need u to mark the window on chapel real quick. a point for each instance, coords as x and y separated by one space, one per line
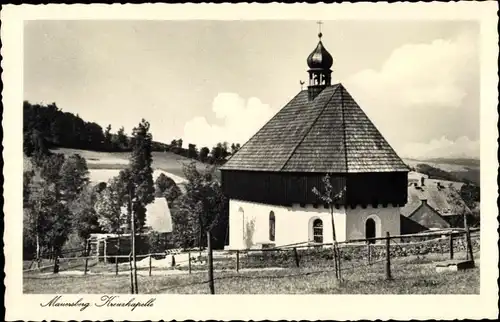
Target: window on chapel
318 231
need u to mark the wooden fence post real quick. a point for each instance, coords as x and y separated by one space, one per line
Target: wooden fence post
105 251
369 252
451 245
296 255
469 244
388 275
131 274
339 259
150 265
237 260
116 265
210 264
86 265
189 261
56 264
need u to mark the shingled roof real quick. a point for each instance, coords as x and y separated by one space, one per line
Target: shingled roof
328 134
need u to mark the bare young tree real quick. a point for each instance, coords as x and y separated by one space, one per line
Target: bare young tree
331 197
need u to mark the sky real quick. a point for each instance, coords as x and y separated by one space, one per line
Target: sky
210 81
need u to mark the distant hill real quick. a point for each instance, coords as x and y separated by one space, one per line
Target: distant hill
470 163
463 170
105 165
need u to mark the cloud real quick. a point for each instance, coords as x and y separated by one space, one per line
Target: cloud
462 147
420 94
240 119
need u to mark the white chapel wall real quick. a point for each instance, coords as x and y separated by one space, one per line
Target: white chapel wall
249 224
386 219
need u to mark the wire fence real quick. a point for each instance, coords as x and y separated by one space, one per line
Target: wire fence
286 261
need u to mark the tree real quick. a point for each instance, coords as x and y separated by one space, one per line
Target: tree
235 148
220 152
121 139
203 207
162 183
47 219
86 220
50 171
107 137
74 176
166 187
331 197
141 184
192 151
204 151
108 210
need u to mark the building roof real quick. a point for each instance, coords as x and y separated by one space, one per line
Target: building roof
158 216
445 199
330 134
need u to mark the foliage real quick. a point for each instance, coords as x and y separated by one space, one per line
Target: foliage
108 210
107 136
202 208
192 151
74 176
59 129
50 167
141 173
46 219
157 242
220 152
203 155
85 216
235 148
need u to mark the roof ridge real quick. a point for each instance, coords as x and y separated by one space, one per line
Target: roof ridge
343 128
309 129
263 126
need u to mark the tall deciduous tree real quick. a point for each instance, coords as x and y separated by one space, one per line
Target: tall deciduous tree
85 216
108 210
121 139
48 219
331 197
74 176
141 184
204 151
50 171
192 151
203 208
107 137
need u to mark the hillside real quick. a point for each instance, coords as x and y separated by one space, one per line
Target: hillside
105 165
463 170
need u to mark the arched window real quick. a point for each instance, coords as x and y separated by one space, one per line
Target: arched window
317 230
272 226
370 229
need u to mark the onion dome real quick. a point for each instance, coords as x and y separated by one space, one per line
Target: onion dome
320 58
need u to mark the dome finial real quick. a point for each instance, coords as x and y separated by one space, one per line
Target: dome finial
319 29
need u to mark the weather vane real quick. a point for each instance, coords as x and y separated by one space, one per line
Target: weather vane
301 84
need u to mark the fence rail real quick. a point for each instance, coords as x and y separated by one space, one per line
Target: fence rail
355 253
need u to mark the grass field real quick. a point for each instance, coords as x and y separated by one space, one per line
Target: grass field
105 165
410 276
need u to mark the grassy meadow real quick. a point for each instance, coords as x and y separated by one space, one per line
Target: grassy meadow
105 165
411 275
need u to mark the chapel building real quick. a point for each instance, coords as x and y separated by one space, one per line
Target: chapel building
322 130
